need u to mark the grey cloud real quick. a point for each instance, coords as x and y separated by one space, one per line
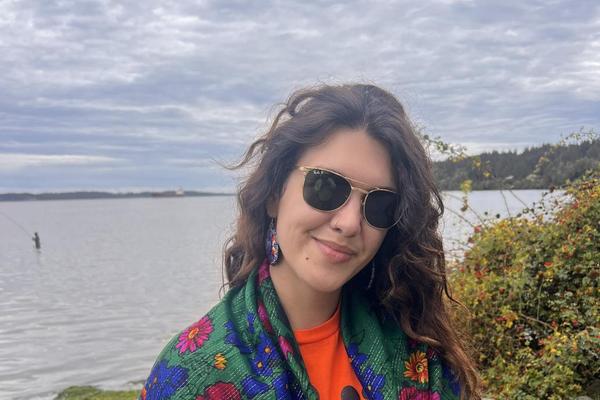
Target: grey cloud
185 80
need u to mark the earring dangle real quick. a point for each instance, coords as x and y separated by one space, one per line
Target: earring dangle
372 275
271 244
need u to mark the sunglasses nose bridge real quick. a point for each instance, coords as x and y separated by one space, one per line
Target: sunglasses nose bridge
351 213
363 198
361 191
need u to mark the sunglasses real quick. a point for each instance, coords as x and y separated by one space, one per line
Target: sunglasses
326 190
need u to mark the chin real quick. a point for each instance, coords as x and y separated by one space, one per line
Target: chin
326 289
327 284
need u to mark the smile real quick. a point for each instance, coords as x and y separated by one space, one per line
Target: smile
333 255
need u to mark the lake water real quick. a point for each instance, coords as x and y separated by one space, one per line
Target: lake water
115 279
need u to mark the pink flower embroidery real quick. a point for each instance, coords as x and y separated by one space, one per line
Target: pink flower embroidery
194 337
264 317
220 390
263 272
285 346
412 393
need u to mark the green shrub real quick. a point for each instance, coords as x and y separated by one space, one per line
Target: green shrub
531 285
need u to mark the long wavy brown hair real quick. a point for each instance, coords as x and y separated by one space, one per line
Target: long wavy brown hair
410 283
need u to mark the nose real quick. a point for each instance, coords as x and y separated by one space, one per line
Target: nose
348 219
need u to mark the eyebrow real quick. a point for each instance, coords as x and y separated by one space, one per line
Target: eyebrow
356 180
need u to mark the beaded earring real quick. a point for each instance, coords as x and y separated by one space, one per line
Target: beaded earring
271 244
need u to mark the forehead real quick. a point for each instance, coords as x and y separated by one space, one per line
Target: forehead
354 154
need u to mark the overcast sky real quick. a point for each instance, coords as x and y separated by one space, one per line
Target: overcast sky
141 95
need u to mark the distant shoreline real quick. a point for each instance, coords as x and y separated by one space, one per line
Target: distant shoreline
97 195
90 195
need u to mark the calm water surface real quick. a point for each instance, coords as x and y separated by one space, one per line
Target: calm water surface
115 279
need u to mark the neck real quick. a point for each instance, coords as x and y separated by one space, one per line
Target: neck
305 308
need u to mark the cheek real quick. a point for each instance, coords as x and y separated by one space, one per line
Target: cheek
373 241
296 223
301 226
300 217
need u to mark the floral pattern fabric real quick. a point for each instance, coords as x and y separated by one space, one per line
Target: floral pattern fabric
244 348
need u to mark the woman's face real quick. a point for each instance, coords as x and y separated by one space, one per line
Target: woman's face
308 238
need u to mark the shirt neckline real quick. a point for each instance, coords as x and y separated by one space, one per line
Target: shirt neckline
319 332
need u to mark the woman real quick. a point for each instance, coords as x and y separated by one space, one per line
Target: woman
336 269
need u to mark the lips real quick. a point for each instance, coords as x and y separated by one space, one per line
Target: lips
334 252
337 247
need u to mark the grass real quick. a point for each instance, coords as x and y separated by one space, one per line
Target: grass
92 393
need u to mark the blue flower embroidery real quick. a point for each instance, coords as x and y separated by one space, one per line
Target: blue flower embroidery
281 384
163 381
250 317
261 366
233 338
266 349
357 359
253 387
452 380
373 384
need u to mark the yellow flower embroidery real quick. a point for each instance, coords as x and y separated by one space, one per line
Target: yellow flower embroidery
416 367
220 361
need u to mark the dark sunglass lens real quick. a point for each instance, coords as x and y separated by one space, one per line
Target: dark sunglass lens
380 208
324 190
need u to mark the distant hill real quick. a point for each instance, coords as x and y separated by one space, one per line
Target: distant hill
535 168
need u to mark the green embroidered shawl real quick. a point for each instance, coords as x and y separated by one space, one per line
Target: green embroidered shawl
244 348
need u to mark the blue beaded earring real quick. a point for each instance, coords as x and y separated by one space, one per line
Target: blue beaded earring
271 244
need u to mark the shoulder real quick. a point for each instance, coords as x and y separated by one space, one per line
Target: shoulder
195 356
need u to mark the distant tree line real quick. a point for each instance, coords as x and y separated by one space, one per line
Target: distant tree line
540 167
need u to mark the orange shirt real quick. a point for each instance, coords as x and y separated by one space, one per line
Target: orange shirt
326 360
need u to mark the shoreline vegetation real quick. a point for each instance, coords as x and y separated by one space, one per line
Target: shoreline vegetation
531 286
542 167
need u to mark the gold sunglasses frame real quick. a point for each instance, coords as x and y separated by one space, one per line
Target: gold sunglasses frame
305 170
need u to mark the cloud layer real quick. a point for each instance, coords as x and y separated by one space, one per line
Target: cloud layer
104 95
